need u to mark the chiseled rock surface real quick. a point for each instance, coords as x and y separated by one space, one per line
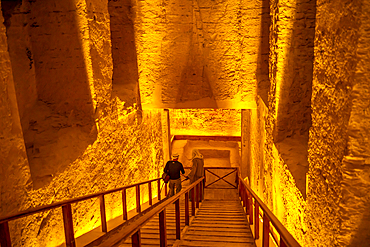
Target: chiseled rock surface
212 122
271 178
14 171
355 199
125 67
336 41
197 55
73 66
124 152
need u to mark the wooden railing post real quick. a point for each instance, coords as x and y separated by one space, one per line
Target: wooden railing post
192 201
266 231
250 202
136 239
240 191
162 228
138 206
197 195
187 208
150 193
159 189
5 235
68 225
282 243
256 220
246 202
242 194
177 212
102 214
201 191
124 204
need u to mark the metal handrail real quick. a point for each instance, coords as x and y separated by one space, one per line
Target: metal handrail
246 195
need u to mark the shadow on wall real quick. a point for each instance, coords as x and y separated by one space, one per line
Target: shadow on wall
59 125
291 131
262 73
195 82
125 67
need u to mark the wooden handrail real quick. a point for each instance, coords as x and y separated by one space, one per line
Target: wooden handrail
67 212
69 201
216 167
134 227
286 239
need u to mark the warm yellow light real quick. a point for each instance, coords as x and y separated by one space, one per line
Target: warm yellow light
84 36
211 122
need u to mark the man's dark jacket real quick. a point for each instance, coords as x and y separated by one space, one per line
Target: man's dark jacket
173 169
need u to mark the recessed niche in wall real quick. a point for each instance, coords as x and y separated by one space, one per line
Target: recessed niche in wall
293 122
125 68
53 92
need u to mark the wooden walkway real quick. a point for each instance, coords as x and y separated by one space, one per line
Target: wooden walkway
150 232
219 223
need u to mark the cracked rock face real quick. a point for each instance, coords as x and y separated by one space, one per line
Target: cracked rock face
81 81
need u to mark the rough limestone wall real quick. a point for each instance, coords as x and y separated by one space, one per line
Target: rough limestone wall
194 54
270 174
336 39
61 110
257 139
125 67
14 171
63 72
291 61
262 73
356 166
294 44
124 153
127 147
271 179
212 122
246 148
21 56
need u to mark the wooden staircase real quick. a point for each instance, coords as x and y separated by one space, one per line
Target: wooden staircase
150 231
216 223
219 223
223 218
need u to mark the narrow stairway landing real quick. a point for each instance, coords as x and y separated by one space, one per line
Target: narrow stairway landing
219 223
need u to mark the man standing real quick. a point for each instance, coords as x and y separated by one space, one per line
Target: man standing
173 169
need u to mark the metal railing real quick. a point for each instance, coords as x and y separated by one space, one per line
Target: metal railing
5 240
249 198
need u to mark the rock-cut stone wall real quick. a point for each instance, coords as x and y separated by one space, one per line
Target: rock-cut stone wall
78 139
197 54
339 173
14 169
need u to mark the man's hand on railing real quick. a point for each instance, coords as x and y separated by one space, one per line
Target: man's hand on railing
186 178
